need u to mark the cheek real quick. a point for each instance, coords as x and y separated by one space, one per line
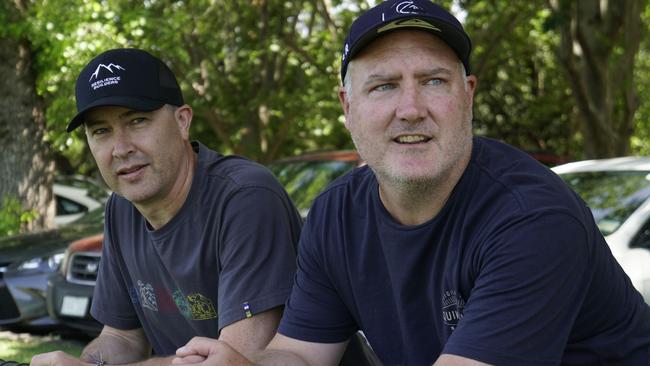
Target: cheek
102 156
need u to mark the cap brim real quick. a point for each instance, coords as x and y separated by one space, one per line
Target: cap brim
137 103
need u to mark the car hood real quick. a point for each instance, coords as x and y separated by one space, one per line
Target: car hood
29 245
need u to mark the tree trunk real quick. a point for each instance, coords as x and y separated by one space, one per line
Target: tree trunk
599 42
26 170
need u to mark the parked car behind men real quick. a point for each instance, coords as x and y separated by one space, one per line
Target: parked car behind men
618 193
26 262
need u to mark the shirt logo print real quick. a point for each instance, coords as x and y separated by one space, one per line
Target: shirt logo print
201 307
452 308
182 304
147 296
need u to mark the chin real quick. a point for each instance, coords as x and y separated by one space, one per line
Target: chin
135 197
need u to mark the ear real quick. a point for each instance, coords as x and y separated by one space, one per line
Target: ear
183 115
345 104
471 87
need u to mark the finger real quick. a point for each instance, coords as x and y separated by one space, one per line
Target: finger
44 359
198 345
191 359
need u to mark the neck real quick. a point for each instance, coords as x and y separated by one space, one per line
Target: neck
416 202
415 205
162 212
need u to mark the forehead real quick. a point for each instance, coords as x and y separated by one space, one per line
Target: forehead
104 111
405 46
110 113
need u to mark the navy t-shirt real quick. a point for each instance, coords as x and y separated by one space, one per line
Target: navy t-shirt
228 254
512 271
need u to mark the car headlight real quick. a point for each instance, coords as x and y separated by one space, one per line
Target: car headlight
54 261
48 263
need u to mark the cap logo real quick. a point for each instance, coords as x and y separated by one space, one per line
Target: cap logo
407 7
408 23
105 81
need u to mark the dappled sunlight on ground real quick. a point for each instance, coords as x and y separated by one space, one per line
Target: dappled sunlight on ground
21 347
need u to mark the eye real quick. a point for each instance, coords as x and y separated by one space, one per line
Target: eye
137 121
434 81
383 87
99 131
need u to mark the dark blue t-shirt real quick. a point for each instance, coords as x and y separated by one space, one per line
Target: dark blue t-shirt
512 271
228 254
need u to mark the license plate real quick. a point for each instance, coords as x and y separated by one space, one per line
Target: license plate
74 306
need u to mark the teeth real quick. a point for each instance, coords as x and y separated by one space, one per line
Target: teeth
410 139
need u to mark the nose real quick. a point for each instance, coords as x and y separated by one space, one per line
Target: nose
122 145
411 105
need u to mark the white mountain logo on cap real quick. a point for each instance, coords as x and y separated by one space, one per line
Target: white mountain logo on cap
108 67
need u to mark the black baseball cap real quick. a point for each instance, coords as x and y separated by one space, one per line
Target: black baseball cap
392 15
125 77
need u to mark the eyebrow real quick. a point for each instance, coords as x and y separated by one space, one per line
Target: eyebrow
372 78
126 114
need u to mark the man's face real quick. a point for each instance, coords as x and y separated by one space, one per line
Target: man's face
408 108
139 154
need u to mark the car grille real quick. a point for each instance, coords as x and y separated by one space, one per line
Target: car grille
83 268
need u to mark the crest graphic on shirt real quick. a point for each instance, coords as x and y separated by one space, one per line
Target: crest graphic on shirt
147 296
452 308
201 307
182 304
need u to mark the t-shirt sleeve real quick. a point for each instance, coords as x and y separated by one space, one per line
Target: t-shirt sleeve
112 304
256 253
315 311
533 275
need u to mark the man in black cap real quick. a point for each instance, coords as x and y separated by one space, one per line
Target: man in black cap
195 243
445 249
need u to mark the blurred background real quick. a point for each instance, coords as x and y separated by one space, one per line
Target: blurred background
565 80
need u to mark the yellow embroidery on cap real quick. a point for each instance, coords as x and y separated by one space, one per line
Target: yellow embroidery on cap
410 23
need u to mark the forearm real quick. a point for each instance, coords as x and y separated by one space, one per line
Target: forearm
115 346
277 357
112 351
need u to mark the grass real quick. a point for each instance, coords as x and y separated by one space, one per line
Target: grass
21 347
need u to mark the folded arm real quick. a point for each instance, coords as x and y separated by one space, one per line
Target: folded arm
281 350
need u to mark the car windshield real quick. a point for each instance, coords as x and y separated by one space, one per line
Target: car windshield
612 196
304 180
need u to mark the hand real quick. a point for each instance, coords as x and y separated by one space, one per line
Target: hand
57 358
209 352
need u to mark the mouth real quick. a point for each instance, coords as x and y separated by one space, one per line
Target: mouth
126 171
411 139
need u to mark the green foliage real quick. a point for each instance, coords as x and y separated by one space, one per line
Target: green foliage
522 97
641 138
262 76
13 216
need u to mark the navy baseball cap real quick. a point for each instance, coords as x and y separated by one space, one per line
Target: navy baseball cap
392 15
125 77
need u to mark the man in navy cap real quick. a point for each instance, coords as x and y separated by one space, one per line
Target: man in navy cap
445 249
195 243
